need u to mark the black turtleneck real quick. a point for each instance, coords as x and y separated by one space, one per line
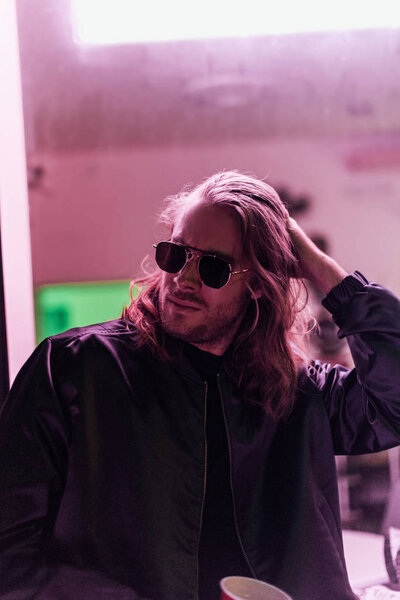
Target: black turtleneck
220 553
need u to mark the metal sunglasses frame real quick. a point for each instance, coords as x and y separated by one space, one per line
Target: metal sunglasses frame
192 253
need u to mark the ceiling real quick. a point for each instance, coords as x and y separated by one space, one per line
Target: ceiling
324 84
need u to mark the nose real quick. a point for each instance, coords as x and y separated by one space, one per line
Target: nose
188 277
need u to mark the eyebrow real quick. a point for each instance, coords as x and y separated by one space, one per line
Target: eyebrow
226 257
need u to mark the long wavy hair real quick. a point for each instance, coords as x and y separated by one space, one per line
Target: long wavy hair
270 347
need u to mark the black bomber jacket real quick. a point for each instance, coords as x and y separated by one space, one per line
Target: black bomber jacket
102 463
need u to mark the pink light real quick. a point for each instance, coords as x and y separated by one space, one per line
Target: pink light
130 21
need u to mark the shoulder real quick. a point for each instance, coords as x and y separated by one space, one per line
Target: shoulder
116 329
90 346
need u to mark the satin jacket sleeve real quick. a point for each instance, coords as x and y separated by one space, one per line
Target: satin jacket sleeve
36 424
363 404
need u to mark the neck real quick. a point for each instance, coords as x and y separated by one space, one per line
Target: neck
216 349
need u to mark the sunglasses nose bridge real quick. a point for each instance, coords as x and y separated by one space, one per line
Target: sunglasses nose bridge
192 255
189 255
190 269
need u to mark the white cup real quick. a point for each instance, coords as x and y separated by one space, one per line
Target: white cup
246 588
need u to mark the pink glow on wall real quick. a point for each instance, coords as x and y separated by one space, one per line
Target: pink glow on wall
94 216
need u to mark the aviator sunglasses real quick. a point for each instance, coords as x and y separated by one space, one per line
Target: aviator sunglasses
215 272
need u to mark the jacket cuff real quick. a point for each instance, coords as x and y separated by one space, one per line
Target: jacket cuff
341 293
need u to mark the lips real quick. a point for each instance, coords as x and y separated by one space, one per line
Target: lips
184 304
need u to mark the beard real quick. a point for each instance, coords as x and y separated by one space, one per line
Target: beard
213 325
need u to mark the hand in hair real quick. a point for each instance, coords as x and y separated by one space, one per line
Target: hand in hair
315 265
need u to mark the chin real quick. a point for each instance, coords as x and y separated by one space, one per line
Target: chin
185 333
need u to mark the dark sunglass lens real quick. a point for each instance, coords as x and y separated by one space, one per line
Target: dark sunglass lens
214 272
170 257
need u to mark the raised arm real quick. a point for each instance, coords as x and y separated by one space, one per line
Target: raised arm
364 403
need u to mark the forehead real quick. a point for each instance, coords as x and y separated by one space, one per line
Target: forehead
209 228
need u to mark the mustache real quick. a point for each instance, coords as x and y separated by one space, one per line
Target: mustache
188 297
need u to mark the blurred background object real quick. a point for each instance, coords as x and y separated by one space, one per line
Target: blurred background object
59 307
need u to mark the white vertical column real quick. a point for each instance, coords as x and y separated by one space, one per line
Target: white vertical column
14 210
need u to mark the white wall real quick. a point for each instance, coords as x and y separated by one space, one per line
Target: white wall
13 199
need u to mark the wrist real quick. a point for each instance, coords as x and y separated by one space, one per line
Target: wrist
326 274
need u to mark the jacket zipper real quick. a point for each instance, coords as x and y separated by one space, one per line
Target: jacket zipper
231 483
204 486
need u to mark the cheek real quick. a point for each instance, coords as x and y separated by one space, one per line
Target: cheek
220 297
209 296
238 295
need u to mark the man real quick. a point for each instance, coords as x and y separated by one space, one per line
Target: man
151 456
